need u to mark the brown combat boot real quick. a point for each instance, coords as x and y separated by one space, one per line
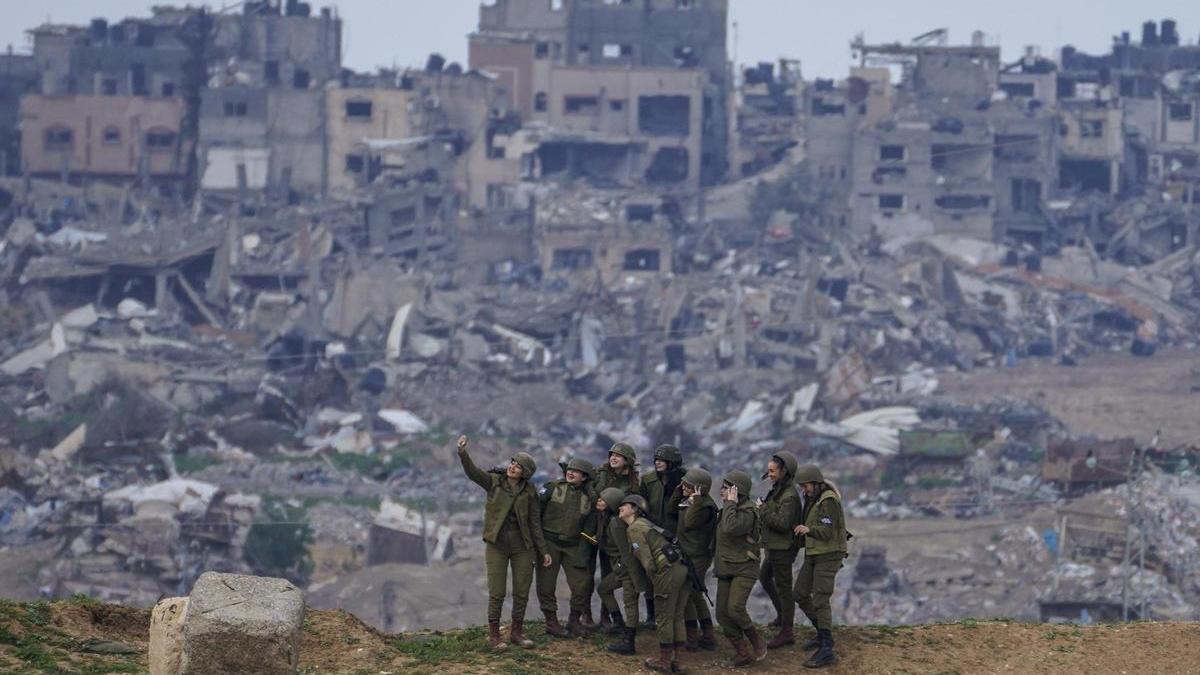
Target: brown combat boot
757 643
589 624
786 636
676 666
516 634
575 626
708 640
742 656
692 642
553 627
663 663
495 642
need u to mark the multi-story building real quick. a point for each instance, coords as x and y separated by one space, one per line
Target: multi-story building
18 76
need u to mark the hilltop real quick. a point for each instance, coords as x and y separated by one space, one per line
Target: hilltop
83 636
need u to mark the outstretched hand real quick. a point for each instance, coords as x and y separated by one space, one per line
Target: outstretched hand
462 444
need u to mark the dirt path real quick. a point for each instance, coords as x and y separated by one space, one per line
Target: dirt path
1109 395
64 637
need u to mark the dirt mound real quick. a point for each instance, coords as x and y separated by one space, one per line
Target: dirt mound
82 636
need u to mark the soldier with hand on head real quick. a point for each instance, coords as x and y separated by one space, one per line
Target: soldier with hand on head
664 564
737 554
512 530
823 526
780 513
660 487
568 512
697 526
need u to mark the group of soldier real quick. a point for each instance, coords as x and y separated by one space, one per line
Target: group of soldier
656 535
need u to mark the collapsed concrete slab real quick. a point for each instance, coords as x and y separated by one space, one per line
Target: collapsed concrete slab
241 624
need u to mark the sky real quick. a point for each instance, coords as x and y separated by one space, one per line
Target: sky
404 32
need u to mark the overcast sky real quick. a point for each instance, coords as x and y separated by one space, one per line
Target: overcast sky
404 32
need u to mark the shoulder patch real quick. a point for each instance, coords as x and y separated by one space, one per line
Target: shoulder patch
543 490
634 546
826 521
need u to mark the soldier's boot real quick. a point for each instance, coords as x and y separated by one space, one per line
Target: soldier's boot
516 634
708 640
757 643
692 643
815 641
627 644
676 666
786 636
617 625
589 624
575 625
649 624
742 656
553 627
663 663
495 642
824 655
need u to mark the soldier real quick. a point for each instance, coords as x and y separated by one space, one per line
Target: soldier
660 487
663 563
607 542
697 525
824 530
512 529
620 471
737 554
626 572
780 513
567 511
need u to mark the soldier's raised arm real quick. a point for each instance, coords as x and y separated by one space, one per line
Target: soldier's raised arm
739 522
480 477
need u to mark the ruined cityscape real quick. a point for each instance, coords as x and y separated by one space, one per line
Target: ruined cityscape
251 298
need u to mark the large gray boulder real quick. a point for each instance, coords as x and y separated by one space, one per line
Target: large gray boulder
242 624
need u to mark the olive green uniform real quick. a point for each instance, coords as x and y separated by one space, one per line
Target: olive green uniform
824 551
566 511
664 506
780 513
668 578
606 538
697 524
737 554
606 477
512 529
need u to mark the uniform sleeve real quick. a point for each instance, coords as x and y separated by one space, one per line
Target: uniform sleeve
695 517
641 550
480 477
738 522
535 524
829 518
781 515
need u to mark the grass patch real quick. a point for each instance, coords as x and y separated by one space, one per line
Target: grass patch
469 646
188 464
969 623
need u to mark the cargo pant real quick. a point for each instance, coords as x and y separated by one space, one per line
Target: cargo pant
697 606
776 580
617 578
547 579
814 587
732 594
509 551
670 601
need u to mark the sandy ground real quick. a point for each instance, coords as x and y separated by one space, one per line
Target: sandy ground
1109 395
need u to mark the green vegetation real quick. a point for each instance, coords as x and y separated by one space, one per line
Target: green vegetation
188 464
27 634
470 646
277 545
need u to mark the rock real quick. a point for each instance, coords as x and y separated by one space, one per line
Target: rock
166 636
242 624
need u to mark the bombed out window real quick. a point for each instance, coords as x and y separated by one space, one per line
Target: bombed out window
112 135
572 259
354 164
541 50
160 139
1018 89
665 115
404 216
892 153
168 89
584 48
271 72
108 87
891 202
614 50
616 105
235 109
59 138
1181 112
1091 128
642 260
580 105
685 4
358 110
301 79
541 102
